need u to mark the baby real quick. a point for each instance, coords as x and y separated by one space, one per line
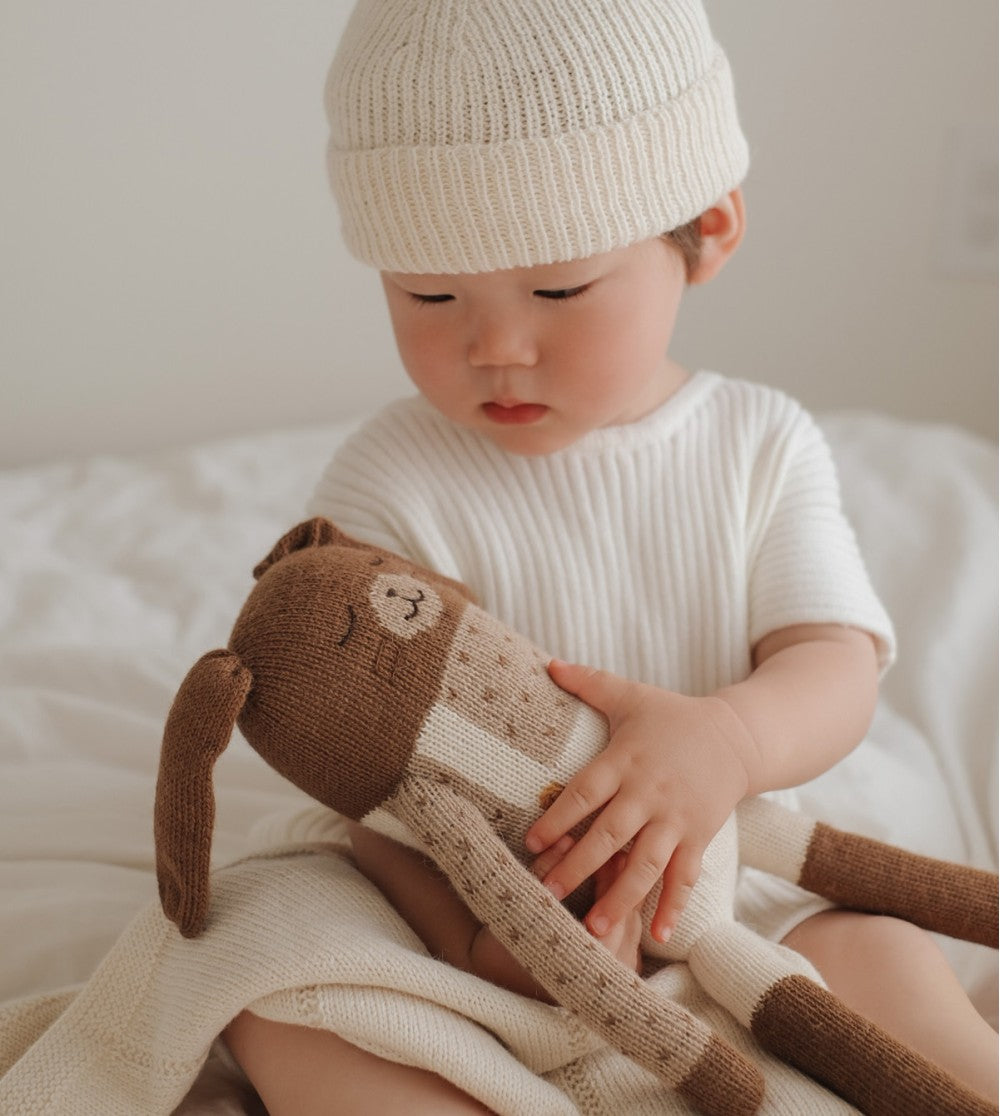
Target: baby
538 182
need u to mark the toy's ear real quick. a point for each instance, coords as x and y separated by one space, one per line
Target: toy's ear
199 725
319 532
311 533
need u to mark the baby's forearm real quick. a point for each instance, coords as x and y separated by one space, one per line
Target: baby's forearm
807 704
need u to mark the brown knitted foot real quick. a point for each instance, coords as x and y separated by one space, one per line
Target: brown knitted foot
719 1086
867 875
808 1027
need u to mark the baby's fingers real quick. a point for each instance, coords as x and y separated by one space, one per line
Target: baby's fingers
678 883
585 793
623 940
546 861
600 689
644 866
610 832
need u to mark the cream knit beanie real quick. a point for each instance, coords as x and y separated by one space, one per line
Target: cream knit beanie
473 135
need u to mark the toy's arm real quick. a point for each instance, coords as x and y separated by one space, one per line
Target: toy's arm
868 875
420 892
577 971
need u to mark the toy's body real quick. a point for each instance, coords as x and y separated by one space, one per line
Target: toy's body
385 693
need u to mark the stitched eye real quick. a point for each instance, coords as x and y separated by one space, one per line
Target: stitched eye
350 627
376 561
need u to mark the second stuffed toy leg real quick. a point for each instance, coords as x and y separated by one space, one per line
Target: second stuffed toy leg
778 995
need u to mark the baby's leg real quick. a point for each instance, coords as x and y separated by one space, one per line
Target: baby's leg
894 974
299 1071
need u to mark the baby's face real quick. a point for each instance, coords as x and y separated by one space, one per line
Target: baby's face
536 357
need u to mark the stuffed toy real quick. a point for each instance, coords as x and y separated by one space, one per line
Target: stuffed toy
380 689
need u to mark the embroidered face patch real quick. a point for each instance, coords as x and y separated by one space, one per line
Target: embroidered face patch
404 605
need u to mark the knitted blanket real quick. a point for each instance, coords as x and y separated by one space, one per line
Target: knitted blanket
302 937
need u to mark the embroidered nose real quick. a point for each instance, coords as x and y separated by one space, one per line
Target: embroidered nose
404 605
414 602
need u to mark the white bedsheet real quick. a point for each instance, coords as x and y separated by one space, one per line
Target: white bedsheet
117 573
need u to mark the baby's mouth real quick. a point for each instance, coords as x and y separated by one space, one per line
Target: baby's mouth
514 414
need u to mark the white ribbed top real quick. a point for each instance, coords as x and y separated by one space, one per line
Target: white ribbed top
663 549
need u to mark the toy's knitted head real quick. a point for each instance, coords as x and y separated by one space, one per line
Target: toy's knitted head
331 629
476 135
348 670
318 678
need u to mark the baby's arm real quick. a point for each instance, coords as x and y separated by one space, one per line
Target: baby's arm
676 766
449 930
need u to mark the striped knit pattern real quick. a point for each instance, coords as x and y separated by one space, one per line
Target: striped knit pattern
661 550
858 872
470 136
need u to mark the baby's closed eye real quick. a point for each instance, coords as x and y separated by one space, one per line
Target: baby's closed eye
562 294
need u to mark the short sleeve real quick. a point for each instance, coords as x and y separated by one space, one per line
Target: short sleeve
805 565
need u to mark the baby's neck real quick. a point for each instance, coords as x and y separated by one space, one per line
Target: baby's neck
665 386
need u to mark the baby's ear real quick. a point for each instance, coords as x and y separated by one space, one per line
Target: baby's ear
310 533
722 228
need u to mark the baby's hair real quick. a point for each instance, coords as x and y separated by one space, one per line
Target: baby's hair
687 240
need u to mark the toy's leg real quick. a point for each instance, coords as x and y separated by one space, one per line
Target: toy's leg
776 993
868 875
577 971
897 975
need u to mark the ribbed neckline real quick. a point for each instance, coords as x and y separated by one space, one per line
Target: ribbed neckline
657 426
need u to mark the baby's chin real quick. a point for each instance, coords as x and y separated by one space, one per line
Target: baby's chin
539 441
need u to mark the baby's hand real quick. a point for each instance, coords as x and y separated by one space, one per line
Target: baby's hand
624 938
670 776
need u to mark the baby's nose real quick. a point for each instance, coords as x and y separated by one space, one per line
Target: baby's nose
502 341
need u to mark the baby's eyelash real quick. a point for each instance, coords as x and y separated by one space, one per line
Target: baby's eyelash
564 293
561 294
429 299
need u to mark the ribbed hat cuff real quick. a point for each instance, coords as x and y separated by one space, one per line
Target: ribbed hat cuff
445 210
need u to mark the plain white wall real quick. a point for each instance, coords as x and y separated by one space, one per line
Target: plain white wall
169 255
868 274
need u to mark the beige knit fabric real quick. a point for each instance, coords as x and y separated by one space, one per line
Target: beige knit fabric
472 135
302 937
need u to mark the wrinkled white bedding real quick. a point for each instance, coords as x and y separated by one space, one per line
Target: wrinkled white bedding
117 573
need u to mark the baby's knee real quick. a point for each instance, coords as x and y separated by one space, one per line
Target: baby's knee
840 939
882 938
